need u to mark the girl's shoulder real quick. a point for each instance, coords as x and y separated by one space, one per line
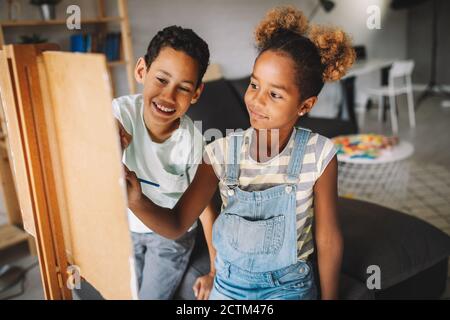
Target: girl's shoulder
217 150
321 149
222 144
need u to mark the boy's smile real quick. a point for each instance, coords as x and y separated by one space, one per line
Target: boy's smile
163 108
170 87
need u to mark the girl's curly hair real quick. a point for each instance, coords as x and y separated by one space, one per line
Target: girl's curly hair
320 53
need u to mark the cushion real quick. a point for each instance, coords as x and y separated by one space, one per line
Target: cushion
401 245
327 127
352 289
220 108
240 86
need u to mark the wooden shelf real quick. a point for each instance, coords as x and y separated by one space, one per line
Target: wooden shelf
122 20
24 23
11 235
116 63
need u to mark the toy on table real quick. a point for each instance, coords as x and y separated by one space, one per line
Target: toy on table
368 146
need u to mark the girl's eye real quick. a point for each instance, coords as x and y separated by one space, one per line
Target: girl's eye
275 96
254 86
163 81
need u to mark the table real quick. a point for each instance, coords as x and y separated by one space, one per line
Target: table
383 180
348 84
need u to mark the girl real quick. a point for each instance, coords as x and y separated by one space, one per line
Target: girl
272 175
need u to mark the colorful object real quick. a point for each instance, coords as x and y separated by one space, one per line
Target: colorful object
368 146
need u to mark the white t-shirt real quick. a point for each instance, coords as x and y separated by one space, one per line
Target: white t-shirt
171 164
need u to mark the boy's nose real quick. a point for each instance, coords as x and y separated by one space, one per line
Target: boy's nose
168 95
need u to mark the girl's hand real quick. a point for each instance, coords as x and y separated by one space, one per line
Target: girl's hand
203 286
125 137
134 191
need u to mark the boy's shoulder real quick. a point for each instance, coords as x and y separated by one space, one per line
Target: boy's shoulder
131 100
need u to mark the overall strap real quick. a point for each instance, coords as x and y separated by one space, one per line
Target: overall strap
295 163
233 159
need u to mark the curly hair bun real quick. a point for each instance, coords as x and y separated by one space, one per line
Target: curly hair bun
277 19
335 49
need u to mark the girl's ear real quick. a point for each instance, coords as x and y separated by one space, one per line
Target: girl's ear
140 70
306 106
197 93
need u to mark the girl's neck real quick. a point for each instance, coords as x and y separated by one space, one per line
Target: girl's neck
269 143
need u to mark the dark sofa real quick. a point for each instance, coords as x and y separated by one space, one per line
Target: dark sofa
411 254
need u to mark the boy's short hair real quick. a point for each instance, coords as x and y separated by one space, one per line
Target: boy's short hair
181 39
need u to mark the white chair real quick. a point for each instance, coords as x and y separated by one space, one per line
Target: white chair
399 82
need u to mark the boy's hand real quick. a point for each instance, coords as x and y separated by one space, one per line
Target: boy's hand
134 191
125 137
203 286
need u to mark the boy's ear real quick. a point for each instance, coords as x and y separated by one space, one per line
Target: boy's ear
306 105
140 70
197 93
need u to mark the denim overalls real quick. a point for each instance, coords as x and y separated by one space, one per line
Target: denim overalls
255 236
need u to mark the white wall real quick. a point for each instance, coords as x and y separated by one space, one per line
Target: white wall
227 26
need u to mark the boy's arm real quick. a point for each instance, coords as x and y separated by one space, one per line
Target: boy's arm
124 136
203 284
173 223
328 233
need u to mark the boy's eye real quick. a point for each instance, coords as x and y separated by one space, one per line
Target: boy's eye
163 81
185 89
275 95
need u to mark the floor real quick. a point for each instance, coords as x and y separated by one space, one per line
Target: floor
428 191
428 194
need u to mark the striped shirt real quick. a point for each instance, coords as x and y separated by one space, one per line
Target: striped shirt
258 176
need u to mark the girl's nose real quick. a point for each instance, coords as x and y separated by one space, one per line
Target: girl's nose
259 100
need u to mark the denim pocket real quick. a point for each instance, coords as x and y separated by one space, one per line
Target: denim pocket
255 237
299 278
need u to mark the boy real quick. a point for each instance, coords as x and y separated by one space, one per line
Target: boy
163 146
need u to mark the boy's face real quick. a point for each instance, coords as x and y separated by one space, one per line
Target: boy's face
169 85
273 97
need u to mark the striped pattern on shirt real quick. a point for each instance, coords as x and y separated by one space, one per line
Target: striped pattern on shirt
257 176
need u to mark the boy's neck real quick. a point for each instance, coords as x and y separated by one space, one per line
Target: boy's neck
160 133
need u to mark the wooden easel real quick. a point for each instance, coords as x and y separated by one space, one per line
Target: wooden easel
66 157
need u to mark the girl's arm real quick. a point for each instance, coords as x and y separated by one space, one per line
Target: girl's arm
203 284
173 223
207 218
328 235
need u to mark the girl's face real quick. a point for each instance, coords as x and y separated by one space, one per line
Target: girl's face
273 96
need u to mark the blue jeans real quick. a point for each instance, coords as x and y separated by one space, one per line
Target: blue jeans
161 263
295 282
